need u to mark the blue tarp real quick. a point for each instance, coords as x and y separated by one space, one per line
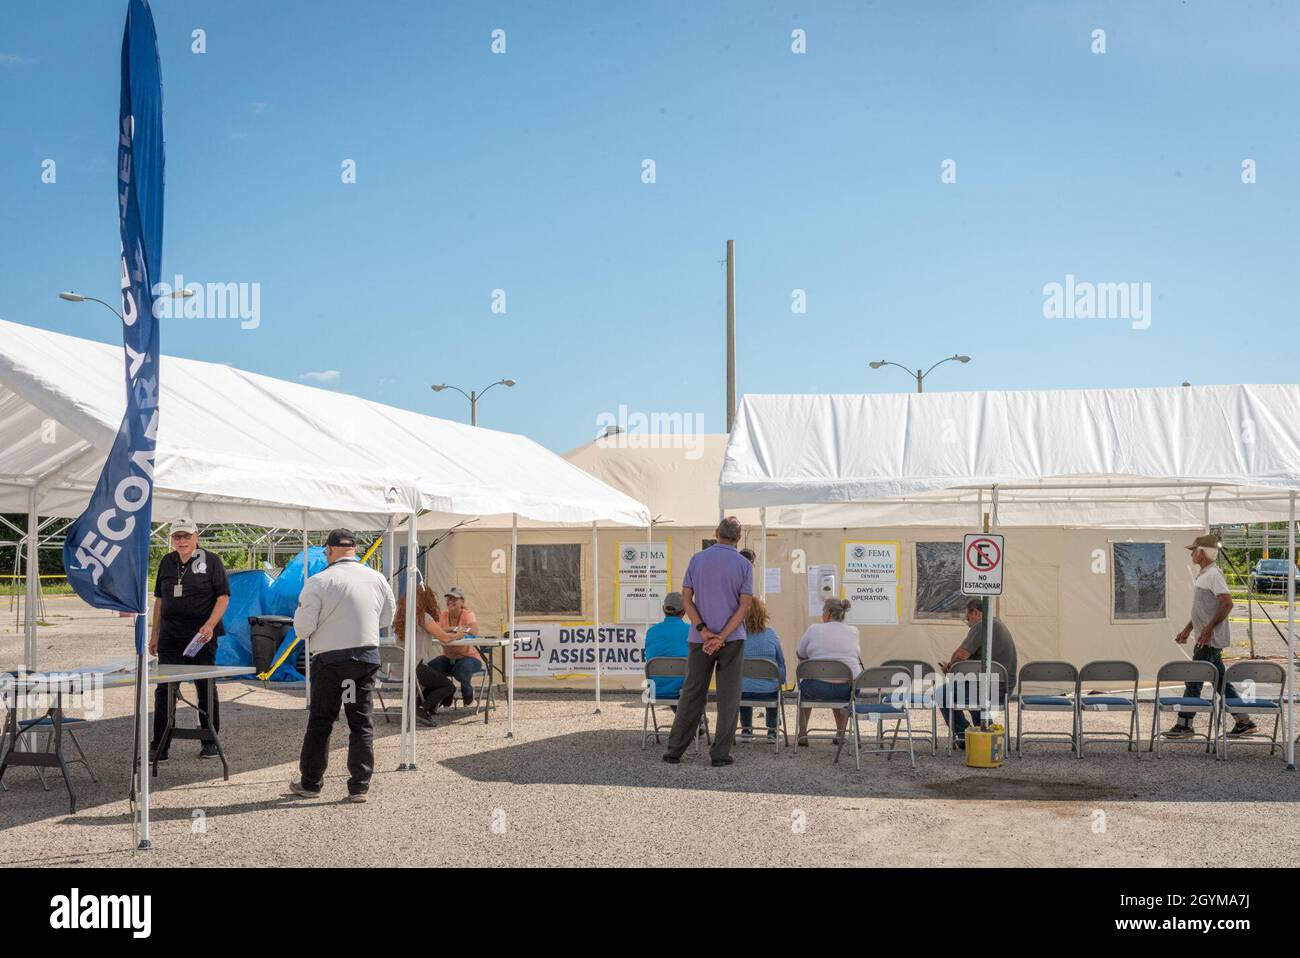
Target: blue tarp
253 592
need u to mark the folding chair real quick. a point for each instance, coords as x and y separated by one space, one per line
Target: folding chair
666 667
767 670
392 665
877 696
926 699
824 670
1251 674
1185 671
1052 673
1110 671
998 703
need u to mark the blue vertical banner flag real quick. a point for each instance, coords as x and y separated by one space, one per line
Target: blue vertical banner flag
106 552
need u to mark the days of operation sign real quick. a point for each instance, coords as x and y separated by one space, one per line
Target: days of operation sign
981 564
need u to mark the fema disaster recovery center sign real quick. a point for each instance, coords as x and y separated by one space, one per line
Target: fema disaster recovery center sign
870 577
555 649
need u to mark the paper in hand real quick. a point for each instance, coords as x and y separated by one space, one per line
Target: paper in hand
196 643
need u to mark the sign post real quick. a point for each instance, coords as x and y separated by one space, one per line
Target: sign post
981 575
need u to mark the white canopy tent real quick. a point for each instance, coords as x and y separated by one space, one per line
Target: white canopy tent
1180 456
237 446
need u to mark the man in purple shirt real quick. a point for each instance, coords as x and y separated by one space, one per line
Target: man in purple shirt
718 589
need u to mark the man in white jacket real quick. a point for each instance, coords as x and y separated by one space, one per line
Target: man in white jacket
341 611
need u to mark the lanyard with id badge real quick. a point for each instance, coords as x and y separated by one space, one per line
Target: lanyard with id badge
199 562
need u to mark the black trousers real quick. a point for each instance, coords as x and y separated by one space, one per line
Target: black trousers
435 687
170 654
350 684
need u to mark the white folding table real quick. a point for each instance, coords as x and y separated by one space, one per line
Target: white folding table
506 671
57 684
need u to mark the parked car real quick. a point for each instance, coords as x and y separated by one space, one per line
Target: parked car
1269 575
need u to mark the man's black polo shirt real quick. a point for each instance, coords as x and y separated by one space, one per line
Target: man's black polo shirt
202 580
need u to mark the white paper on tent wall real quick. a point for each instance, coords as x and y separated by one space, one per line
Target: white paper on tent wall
816 575
772 580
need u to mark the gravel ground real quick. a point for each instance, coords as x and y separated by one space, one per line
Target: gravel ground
575 788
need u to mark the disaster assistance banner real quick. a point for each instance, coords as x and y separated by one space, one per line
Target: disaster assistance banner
106 553
556 649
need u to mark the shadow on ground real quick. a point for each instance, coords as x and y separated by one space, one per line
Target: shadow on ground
614 758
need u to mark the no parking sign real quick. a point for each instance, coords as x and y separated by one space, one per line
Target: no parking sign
981 564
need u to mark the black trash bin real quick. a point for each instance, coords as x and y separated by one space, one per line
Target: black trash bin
267 632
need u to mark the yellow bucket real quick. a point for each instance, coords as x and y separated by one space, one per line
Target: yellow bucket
985 748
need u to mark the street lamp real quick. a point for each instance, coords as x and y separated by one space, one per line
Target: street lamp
72 297
920 376
473 395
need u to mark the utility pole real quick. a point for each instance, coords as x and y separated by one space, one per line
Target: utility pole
731 334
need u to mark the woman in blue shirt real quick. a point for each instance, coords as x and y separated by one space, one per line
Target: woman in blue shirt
761 642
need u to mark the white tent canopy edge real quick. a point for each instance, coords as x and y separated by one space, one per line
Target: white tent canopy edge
251 448
1071 457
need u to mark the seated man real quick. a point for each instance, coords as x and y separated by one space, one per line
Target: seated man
461 662
952 701
667 639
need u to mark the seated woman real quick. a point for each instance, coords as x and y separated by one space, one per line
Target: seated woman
761 642
435 688
831 638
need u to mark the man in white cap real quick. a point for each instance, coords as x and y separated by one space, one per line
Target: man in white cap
1211 605
191 593
341 610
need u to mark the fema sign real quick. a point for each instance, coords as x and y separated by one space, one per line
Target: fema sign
982 564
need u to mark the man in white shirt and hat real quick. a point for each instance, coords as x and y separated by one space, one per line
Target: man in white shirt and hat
341 609
1211 605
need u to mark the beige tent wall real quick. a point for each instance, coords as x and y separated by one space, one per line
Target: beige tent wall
1057 603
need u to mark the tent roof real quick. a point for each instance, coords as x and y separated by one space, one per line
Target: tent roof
1101 457
675 476
237 446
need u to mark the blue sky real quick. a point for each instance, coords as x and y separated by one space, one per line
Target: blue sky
523 172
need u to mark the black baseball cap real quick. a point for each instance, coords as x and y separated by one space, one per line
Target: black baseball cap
342 538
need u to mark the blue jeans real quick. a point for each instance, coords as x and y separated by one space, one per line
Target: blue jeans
747 712
462 670
820 691
1192 690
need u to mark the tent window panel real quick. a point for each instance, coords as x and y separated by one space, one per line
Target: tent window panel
938 581
549 580
1139 580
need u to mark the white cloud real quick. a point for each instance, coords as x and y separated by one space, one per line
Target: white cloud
324 376
14 60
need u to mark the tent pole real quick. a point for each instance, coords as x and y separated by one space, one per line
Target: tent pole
306 642
649 550
762 552
510 662
31 585
1290 635
595 607
387 550
142 680
988 632
408 667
